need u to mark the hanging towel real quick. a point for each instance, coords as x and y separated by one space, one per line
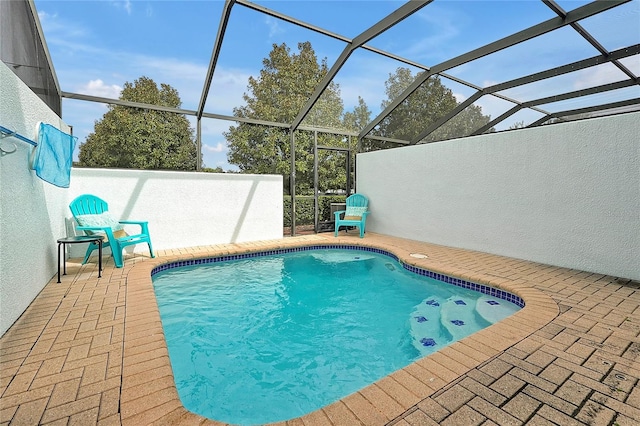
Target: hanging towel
54 155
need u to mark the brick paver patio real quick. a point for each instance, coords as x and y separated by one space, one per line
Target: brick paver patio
91 350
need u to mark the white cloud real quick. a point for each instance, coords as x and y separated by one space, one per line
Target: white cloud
99 88
227 89
596 76
212 127
168 66
215 155
489 83
459 97
442 27
126 5
369 85
46 17
220 147
274 26
188 78
493 106
57 30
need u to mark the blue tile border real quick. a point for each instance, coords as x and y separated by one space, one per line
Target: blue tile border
485 289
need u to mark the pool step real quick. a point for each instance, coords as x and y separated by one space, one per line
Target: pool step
459 317
493 309
426 329
340 257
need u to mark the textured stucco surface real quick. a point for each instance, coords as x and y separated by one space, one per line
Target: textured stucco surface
183 209
187 209
31 210
565 195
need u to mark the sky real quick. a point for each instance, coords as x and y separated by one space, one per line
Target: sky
98 46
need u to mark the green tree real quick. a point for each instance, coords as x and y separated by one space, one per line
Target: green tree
284 85
463 124
352 121
213 170
423 108
356 120
138 138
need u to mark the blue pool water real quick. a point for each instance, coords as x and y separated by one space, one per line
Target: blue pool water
274 337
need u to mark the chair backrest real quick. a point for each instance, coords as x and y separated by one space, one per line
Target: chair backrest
88 204
357 200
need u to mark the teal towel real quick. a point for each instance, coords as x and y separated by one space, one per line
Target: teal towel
54 155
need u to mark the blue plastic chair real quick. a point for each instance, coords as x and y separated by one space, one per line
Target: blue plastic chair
92 217
355 214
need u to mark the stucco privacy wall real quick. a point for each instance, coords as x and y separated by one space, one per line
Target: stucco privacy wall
31 210
565 195
183 209
186 209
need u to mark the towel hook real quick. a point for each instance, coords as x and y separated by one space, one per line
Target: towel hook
3 147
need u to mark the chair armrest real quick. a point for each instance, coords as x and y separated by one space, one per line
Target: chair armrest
93 228
338 213
144 225
107 230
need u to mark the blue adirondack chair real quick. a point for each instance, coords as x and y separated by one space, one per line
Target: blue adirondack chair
355 214
92 217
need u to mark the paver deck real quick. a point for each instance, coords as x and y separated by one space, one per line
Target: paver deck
91 350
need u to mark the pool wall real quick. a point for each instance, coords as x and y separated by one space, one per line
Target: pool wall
425 377
459 282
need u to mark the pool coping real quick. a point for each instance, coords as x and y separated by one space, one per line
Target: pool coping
147 369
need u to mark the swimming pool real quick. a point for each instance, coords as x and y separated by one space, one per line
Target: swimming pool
281 352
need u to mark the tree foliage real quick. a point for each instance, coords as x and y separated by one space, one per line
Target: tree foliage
286 82
360 117
518 125
135 138
422 108
425 106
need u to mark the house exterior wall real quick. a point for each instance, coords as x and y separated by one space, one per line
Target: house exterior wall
565 195
30 209
184 209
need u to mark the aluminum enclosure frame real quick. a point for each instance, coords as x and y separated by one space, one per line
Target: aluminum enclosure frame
563 19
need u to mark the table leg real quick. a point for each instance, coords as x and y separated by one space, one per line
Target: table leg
100 258
59 244
64 259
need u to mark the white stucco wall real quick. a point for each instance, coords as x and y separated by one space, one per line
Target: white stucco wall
186 209
30 209
183 209
565 195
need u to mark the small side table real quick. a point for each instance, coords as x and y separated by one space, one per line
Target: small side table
62 242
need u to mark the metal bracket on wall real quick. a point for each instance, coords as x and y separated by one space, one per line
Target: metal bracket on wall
7 147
